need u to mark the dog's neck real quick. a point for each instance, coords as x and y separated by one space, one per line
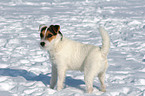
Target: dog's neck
56 44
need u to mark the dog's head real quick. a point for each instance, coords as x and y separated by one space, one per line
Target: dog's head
49 35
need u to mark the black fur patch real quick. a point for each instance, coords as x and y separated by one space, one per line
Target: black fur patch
61 35
44 28
51 29
41 35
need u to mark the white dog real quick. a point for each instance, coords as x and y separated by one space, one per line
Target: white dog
66 55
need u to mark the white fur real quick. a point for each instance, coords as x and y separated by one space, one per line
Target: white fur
71 55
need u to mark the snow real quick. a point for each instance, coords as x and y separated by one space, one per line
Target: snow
25 69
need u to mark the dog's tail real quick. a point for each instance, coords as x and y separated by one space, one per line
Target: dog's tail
105 41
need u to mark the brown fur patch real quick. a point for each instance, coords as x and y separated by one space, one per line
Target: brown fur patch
47 35
51 33
50 39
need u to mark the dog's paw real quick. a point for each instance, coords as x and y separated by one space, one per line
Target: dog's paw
103 90
90 90
59 88
52 87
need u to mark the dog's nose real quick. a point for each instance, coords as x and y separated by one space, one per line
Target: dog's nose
42 44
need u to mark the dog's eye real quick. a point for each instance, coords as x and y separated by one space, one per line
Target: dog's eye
49 35
41 35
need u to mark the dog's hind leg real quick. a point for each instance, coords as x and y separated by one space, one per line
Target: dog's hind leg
89 77
101 77
53 77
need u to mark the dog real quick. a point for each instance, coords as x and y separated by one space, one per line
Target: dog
66 54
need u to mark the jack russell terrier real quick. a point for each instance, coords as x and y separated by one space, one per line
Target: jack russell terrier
66 54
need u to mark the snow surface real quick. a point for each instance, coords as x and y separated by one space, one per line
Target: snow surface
25 69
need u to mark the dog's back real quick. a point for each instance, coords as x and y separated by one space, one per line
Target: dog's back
74 53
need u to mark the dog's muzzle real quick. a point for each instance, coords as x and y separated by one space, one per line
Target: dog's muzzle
42 44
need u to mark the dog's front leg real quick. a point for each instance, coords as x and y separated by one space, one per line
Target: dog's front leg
53 77
61 77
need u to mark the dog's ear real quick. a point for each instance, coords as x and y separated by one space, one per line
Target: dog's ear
40 26
54 29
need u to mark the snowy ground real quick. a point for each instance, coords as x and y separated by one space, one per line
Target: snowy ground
25 68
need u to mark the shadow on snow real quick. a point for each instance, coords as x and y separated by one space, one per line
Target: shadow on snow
41 77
